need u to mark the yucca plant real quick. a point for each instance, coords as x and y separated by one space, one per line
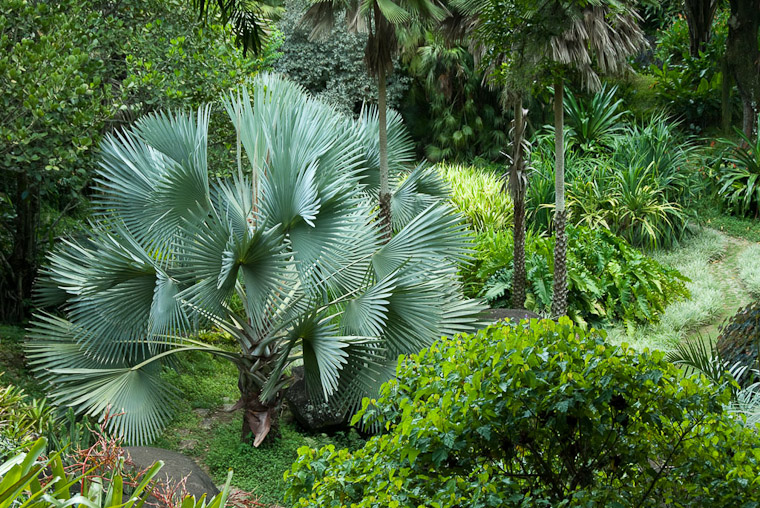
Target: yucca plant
287 257
593 125
740 174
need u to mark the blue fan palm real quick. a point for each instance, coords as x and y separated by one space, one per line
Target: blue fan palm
295 239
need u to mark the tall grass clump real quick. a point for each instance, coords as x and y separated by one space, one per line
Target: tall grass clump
479 195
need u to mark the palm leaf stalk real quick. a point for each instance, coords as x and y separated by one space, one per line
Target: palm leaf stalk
293 267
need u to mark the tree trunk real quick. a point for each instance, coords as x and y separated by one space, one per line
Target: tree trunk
699 16
517 190
743 57
385 193
559 298
259 418
725 96
23 259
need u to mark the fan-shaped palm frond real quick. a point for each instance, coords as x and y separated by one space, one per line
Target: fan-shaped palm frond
294 240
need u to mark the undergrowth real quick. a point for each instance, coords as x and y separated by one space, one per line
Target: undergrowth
693 259
260 470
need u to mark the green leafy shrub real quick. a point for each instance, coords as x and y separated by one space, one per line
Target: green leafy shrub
739 338
607 278
690 86
592 125
479 195
739 174
639 191
541 414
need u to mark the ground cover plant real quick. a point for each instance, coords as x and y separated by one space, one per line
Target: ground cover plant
554 416
608 280
711 261
289 261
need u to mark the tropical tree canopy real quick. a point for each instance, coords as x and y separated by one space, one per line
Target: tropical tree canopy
286 256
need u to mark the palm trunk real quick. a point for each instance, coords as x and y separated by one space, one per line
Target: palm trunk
385 193
259 418
517 190
559 299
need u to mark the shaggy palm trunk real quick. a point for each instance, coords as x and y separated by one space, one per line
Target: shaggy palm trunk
517 190
259 418
559 298
385 193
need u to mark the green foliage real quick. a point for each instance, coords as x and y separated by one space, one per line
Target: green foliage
739 174
449 110
70 72
749 269
607 278
739 339
260 470
22 419
638 191
332 69
479 195
541 414
690 87
591 126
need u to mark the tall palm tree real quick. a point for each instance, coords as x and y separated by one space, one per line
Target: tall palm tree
525 42
286 258
380 19
596 37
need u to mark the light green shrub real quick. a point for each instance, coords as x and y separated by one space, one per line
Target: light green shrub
479 195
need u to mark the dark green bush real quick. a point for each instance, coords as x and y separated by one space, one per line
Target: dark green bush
607 278
739 339
690 86
540 414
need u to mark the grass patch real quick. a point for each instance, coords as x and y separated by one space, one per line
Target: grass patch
260 470
740 227
749 269
203 382
477 193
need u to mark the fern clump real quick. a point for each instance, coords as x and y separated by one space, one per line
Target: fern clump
607 278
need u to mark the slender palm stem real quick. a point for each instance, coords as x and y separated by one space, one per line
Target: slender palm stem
559 300
517 187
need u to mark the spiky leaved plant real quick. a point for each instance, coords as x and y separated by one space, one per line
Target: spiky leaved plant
286 257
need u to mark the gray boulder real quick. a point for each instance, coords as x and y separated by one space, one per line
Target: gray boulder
176 467
514 315
313 417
